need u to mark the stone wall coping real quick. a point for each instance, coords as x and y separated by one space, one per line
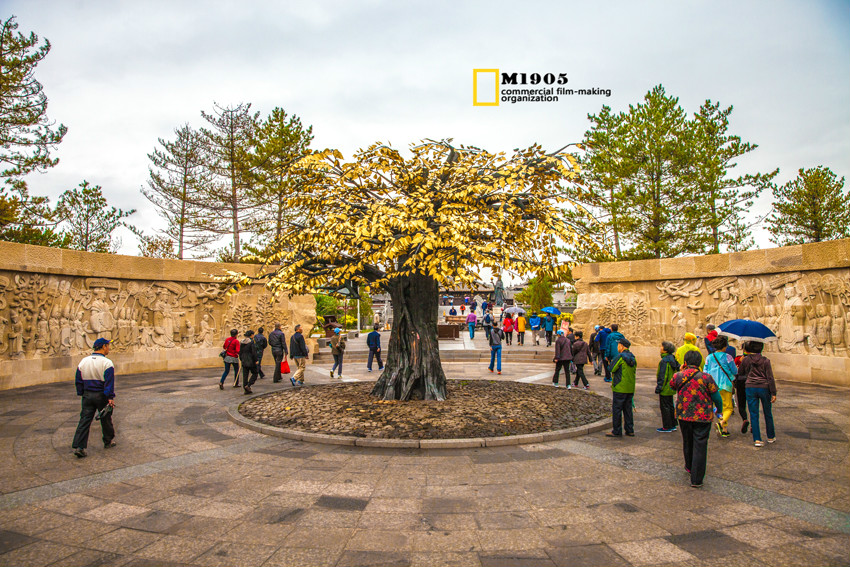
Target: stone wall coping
803 257
59 261
463 443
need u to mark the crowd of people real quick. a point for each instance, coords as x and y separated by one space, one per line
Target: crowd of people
707 389
247 354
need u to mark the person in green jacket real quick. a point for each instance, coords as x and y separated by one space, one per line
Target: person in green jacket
666 368
623 385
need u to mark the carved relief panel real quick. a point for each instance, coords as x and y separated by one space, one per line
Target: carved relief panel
808 311
50 315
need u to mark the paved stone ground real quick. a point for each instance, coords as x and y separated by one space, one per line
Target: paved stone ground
187 487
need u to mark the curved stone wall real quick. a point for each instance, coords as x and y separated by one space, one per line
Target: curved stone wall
159 314
801 292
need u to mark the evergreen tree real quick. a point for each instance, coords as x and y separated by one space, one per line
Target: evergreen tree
228 143
722 199
88 219
657 212
26 139
178 178
813 207
600 173
280 141
537 294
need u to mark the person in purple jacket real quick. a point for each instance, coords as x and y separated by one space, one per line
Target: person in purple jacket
95 382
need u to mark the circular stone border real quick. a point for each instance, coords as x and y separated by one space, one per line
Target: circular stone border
462 443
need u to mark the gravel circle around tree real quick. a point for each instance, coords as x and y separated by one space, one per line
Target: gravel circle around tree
474 408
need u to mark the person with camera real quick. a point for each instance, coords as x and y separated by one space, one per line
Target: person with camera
95 382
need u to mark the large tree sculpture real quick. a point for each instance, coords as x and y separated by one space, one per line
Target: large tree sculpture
407 226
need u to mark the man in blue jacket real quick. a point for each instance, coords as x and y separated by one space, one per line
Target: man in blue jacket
611 346
373 341
95 382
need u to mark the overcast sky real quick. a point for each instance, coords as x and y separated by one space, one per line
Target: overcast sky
122 74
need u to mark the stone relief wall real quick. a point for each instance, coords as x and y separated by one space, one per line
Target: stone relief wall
802 293
159 314
48 315
809 312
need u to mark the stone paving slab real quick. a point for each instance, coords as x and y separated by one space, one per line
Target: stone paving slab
186 486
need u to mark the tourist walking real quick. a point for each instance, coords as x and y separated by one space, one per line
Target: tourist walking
695 408
563 358
549 327
581 354
471 321
277 344
595 357
231 358
298 351
95 383
249 357
623 370
612 343
761 389
720 365
520 323
494 338
667 367
261 343
741 390
508 328
373 341
337 350
488 323
534 323
473 306
602 341
462 309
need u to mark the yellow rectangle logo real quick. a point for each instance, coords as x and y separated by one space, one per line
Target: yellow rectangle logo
485 87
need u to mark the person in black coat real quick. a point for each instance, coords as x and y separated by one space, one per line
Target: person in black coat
249 357
277 343
261 343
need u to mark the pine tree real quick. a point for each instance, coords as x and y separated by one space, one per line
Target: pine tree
537 294
813 207
601 175
89 220
229 150
722 199
178 179
26 139
280 141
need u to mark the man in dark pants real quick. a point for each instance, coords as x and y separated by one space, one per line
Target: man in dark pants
373 341
248 358
261 343
277 342
623 369
95 382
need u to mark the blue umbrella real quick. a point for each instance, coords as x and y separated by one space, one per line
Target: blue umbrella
551 310
746 330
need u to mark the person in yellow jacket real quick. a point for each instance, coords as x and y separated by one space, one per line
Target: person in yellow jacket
690 344
520 328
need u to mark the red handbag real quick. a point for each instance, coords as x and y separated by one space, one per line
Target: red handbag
284 366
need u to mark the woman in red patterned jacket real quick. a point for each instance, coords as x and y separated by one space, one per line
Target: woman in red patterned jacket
695 407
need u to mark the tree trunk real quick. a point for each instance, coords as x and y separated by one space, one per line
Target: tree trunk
413 369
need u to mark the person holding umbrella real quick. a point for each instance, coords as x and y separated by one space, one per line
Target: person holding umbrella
753 335
508 328
549 326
